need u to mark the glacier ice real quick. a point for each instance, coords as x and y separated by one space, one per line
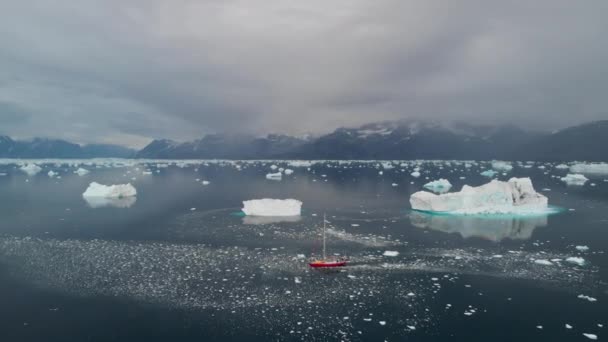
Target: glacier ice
489 173
594 168
502 166
81 171
96 190
274 176
272 207
574 179
31 169
440 186
496 197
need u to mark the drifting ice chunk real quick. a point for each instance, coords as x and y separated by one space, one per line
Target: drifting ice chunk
82 172
575 179
96 190
441 185
502 166
52 174
582 248
576 260
488 173
543 262
272 207
288 171
515 196
590 336
31 169
596 168
415 174
390 253
274 176
562 166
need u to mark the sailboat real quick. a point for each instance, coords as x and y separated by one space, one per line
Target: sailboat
325 262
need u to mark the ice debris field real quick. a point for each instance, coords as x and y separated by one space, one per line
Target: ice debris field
253 268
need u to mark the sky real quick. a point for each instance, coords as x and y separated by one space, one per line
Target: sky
128 71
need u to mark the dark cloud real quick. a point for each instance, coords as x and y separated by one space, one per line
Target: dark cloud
118 71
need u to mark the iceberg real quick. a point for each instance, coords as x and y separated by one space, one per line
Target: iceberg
502 166
415 174
574 179
517 196
274 176
31 169
96 190
489 173
595 168
562 166
440 186
52 174
272 207
81 172
288 171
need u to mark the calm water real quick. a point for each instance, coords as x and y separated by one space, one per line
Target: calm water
179 262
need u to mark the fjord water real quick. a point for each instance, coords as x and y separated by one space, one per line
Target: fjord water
180 262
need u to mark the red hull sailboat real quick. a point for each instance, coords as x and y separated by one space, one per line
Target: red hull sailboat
325 262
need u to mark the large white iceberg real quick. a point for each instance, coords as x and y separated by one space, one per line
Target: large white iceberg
574 179
96 190
595 168
31 169
440 186
272 207
515 196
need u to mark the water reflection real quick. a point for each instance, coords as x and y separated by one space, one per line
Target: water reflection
259 220
494 228
101 202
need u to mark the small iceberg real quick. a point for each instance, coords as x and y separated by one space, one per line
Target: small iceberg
502 166
96 190
574 179
439 186
594 168
31 169
272 207
274 176
81 172
100 202
517 196
489 173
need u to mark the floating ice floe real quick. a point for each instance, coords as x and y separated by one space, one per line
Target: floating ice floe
590 336
31 169
576 260
489 173
440 186
288 172
415 174
582 248
543 262
595 168
574 179
562 166
517 196
587 298
52 174
96 190
82 172
390 253
502 166
274 176
272 207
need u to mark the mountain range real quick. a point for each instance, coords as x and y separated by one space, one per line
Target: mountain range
406 139
55 148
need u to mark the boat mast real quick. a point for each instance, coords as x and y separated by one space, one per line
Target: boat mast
324 257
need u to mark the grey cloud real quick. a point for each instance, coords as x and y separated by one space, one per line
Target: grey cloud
129 71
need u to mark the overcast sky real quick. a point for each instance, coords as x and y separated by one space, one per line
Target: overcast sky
126 71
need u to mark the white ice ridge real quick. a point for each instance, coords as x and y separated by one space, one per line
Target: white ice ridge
595 168
96 190
575 179
31 169
272 207
496 197
441 185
